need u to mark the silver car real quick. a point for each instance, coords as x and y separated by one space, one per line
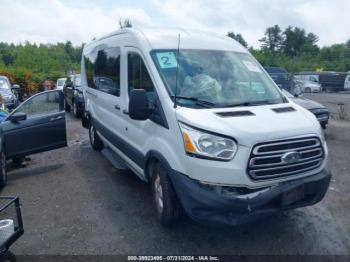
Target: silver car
9 98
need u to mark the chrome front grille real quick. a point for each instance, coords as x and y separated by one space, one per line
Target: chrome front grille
285 158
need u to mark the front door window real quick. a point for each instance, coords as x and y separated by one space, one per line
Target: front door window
41 104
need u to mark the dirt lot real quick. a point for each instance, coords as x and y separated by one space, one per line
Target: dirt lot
75 202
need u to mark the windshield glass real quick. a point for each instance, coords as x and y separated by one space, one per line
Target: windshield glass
4 84
220 78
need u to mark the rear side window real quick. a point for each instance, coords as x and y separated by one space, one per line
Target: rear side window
103 70
138 76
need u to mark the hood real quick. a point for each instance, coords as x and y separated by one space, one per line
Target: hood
263 125
307 103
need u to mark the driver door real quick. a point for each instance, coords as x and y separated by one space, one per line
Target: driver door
42 126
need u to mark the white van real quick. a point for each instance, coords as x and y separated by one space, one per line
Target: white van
197 117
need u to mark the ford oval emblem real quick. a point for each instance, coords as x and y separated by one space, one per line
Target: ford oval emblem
291 157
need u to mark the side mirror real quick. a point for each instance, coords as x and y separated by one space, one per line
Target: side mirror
15 87
138 105
17 117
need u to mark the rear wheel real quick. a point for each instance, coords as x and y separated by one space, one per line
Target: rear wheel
3 173
168 207
66 106
76 111
8 256
95 140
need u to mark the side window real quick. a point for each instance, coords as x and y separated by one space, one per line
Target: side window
89 61
138 76
103 70
41 104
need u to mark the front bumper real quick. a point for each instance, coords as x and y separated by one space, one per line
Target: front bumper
322 116
205 205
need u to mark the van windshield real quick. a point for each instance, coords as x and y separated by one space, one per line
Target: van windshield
217 78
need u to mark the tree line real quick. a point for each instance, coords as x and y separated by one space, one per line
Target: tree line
293 48
296 50
30 64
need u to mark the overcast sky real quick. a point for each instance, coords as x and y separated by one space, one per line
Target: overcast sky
51 21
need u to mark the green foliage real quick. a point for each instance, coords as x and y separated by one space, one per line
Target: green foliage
296 50
30 64
125 23
238 37
273 39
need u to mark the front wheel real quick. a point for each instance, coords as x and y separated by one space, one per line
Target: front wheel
168 207
308 90
3 173
95 140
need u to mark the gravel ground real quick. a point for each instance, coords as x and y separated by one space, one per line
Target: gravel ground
75 202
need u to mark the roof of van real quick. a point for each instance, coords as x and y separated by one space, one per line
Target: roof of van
168 38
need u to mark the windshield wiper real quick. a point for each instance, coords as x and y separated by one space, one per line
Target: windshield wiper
252 103
197 101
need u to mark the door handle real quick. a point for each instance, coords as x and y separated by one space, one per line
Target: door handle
55 118
125 111
117 107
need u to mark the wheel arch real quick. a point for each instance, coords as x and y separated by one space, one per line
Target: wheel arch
155 156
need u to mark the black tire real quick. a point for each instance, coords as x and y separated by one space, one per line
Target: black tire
76 111
95 140
3 173
167 205
308 90
324 126
18 161
8 256
66 106
85 122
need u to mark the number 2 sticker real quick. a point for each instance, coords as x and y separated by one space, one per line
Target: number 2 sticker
167 60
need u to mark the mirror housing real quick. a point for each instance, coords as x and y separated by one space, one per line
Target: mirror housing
138 105
17 117
15 87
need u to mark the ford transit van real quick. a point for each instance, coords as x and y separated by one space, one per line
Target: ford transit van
197 117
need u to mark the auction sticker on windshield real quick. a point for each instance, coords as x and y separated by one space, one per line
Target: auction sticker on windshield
252 66
167 60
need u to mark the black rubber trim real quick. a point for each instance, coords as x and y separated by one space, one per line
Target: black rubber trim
134 154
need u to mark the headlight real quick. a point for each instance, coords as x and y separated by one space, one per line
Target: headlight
207 145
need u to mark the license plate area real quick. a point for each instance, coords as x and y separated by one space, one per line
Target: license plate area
292 196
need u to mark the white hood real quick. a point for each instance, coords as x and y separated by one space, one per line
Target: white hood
263 126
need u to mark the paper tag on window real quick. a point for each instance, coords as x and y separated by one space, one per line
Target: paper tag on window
167 60
252 66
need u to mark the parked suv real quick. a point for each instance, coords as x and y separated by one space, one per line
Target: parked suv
196 116
73 95
320 111
6 91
